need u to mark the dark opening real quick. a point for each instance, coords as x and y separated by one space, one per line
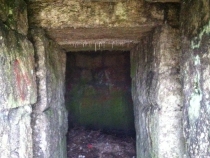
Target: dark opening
98 93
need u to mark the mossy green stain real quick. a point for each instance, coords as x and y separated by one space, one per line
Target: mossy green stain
113 111
195 43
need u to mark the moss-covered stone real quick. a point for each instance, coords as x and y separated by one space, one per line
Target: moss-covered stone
18 68
49 116
195 69
14 15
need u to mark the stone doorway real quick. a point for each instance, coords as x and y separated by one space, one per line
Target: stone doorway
98 98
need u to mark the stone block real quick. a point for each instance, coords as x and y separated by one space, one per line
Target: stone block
163 1
49 120
16 133
17 76
86 76
51 63
88 61
48 14
61 150
14 14
157 94
115 76
111 60
96 62
49 130
82 61
195 76
4 10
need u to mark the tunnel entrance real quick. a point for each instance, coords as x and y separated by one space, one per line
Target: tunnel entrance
99 102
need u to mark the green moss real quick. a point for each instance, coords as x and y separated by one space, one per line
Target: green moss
108 111
195 43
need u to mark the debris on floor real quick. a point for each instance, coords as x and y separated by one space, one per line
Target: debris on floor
83 143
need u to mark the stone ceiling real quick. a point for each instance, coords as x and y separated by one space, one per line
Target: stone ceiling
100 24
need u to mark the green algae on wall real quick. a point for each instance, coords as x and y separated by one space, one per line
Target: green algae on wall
97 92
196 42
14 15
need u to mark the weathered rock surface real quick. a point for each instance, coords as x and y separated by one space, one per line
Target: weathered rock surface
14 15
49 121
163 1
195 73
16 133
87 14
156 87
90 25
17 76
169 96
17 81
157 95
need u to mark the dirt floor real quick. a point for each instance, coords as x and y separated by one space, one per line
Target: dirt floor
96 144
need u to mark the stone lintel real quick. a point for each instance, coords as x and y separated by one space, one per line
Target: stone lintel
120 38
163 1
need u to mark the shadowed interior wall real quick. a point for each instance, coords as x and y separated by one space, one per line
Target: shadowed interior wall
98 90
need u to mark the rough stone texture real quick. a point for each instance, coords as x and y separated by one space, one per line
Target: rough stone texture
17 70
17 82
195 15
169 96
86 39
154 71
16 133
157 95
98 90
14 15
90 25
164 1
141 64
87 14
49 130
49 121
195 74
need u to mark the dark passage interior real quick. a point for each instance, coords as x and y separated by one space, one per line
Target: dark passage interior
98 97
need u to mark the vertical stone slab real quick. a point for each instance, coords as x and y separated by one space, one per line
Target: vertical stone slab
17 76
16 133
157 95
195 73
49 119
17 93
169 96
144 82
